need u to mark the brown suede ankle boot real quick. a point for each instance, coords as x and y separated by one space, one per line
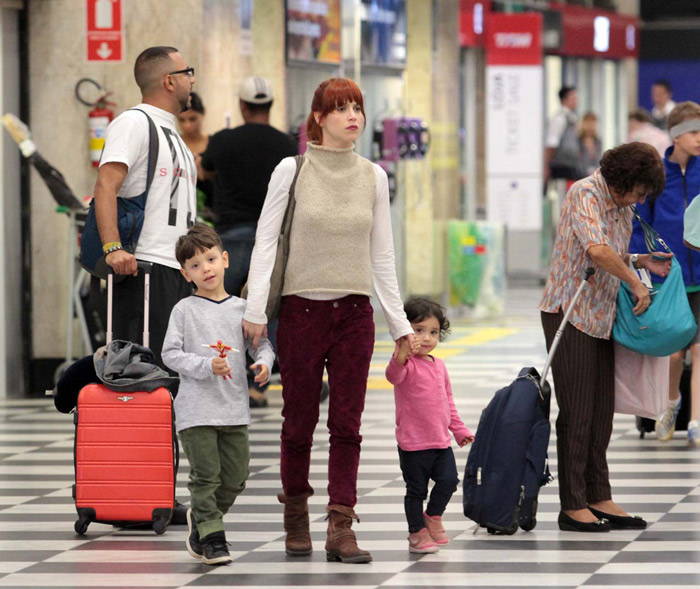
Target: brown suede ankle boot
341 544
296 524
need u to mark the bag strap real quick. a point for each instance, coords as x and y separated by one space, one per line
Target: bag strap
289 213
153 148
651 237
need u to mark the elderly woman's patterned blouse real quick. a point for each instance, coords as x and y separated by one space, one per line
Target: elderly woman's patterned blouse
589 217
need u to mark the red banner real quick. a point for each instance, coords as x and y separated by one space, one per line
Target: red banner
597 33
514 39
472 15
104 30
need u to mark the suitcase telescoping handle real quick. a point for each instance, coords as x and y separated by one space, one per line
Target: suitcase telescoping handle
589 272
145 267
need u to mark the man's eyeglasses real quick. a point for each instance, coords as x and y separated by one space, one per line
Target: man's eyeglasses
189 71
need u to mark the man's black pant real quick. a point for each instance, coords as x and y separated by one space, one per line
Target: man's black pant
168 287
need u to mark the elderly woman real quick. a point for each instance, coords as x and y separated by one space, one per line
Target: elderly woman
595 230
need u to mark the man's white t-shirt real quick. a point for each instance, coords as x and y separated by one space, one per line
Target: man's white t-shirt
557 126
171 205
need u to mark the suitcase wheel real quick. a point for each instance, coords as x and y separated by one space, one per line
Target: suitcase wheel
529 525
509 531
81 526
161 519
512 529
160 524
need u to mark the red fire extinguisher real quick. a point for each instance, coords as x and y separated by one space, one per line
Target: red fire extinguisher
98 119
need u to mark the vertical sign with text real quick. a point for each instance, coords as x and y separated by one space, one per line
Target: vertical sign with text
514 121
105 38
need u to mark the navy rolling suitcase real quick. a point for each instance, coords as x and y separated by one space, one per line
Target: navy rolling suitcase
508 463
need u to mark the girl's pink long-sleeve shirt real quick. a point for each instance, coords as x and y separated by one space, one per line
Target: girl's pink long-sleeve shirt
425 409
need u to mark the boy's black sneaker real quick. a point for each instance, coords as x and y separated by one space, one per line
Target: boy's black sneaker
193 543
215 549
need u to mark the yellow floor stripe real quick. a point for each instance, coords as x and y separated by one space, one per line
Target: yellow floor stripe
445 350
483 336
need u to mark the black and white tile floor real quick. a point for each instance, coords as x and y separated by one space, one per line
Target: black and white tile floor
661 482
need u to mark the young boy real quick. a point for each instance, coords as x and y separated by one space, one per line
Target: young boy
666 216
212 403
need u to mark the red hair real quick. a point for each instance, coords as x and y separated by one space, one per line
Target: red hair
329 95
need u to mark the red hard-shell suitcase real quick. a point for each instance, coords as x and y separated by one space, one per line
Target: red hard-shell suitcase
125 450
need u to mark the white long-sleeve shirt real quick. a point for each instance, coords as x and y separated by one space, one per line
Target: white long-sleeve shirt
381 251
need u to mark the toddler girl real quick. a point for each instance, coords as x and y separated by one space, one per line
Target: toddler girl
425 411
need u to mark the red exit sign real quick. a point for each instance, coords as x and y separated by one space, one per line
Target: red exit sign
105 38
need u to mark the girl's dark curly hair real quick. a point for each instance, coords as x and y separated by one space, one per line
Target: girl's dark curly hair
633 165
418 310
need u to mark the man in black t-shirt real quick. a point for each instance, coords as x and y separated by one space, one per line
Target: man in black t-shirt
241 161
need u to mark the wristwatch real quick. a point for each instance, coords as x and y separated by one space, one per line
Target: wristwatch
633 260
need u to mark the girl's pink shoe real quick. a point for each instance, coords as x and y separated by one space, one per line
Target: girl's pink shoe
421 543
435 528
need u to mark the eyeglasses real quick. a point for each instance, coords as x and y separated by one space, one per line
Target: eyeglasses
189 71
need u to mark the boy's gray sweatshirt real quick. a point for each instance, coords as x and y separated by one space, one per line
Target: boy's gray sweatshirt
203 397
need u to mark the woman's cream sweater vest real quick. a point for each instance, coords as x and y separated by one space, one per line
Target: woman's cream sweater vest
329 243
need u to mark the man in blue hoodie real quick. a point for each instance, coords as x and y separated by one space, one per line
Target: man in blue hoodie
666 216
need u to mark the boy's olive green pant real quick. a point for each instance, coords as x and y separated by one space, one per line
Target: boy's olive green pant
219 458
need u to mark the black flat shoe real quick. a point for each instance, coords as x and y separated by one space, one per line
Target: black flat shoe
621 522
569 524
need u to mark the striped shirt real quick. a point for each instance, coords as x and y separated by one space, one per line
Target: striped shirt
589 217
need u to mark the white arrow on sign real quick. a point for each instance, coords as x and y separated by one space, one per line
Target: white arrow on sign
104 51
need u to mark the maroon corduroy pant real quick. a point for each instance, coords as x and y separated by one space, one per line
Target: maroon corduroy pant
339 335
584 379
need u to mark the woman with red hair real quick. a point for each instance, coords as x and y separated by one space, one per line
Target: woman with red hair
340 247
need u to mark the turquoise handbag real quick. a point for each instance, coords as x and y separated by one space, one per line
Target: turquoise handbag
668 325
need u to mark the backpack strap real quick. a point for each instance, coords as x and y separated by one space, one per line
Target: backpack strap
153 148
651 237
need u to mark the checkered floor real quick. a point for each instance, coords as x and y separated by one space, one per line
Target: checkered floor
661 482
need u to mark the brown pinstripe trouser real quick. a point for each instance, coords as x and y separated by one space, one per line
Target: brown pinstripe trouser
584 379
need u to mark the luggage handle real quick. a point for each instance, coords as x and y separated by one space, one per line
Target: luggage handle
146 268
589 272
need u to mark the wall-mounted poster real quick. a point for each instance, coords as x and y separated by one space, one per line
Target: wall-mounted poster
313 30
383 32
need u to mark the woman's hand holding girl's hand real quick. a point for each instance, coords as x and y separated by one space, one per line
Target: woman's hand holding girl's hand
659 262
406 346
402 351
253 331
466 440
220 367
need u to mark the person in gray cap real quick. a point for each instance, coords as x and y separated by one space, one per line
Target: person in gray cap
240 161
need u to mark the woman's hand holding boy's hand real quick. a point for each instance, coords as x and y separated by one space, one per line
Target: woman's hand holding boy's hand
220 367
253 331
466 440
262 373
